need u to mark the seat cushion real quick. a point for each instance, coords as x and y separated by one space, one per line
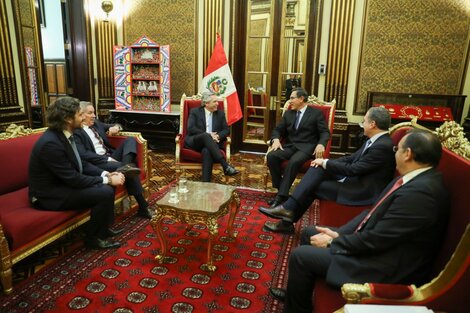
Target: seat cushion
189 155
22 223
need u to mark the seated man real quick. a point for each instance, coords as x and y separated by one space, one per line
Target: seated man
352 180
395 242
91 144
59 180
207 132
306 134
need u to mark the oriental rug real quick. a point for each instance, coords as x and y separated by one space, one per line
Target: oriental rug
129 279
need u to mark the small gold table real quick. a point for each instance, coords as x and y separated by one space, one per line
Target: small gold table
203 204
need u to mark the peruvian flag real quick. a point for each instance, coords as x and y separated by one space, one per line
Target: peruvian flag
218 80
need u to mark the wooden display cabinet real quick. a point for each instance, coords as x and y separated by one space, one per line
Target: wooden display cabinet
430 109
142 77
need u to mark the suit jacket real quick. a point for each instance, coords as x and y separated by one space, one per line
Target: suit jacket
399 241
312 130
54 171
366 174
86 148
197 125
102 128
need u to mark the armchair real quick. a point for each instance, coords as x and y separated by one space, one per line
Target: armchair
328 109
450 280
186 158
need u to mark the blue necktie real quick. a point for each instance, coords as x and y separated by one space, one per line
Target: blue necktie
297 120
75 151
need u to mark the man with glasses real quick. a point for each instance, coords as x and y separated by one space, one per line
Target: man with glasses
395 242
305 134
351 180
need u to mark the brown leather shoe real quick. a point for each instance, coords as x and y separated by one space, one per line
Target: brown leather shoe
279 227
278 212
278 293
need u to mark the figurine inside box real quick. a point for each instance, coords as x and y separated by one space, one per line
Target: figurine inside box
142 76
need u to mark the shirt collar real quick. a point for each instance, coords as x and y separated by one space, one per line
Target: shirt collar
67 134
409 176
302 111
377 136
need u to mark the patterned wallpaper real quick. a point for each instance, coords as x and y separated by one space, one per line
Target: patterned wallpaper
413 46
168 22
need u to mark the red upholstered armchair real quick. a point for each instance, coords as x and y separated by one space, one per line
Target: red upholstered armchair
447 290
328 109
186 158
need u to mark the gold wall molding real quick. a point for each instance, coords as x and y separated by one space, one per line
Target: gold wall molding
105 40
213 24
339 51
413 46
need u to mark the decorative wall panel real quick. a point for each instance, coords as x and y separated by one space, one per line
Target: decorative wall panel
170 23
413 46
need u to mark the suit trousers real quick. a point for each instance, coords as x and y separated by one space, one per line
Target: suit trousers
133 185
306 264
126 152
315 184
283 181
100 198
211 153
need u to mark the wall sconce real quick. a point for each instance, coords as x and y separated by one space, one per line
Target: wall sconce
107 6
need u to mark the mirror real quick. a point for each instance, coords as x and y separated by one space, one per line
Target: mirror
293 54
293 35
258 71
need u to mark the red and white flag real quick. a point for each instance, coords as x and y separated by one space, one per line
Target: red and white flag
218 80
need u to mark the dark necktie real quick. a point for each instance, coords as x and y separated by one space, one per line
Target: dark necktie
100 140
297 120
395 186
368 143
75 151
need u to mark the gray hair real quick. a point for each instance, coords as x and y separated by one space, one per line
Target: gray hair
380 116
83 105
206 97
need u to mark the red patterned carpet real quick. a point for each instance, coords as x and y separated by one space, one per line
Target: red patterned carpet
130 280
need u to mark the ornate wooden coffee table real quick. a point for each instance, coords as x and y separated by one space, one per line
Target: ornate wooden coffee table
203 204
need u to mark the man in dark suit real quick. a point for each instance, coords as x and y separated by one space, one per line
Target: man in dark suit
207 132
90 141
305 134
352 180
394 242
59 180
101 150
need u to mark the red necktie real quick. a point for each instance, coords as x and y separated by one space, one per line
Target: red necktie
97 135
397 185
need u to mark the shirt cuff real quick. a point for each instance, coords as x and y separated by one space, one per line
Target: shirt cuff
324 164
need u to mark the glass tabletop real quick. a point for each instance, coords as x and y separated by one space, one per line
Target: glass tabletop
199 196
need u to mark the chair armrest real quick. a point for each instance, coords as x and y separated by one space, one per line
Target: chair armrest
178 142
380 293
228 142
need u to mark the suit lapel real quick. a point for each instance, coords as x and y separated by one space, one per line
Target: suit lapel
69 150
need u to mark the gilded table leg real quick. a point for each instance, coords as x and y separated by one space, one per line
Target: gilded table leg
234 208
156 223
213 231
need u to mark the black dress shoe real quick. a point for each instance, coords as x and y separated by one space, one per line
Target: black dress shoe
279 227
112 233
278 293
231 171
270 202
97 243
144 213
128 170
278 212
